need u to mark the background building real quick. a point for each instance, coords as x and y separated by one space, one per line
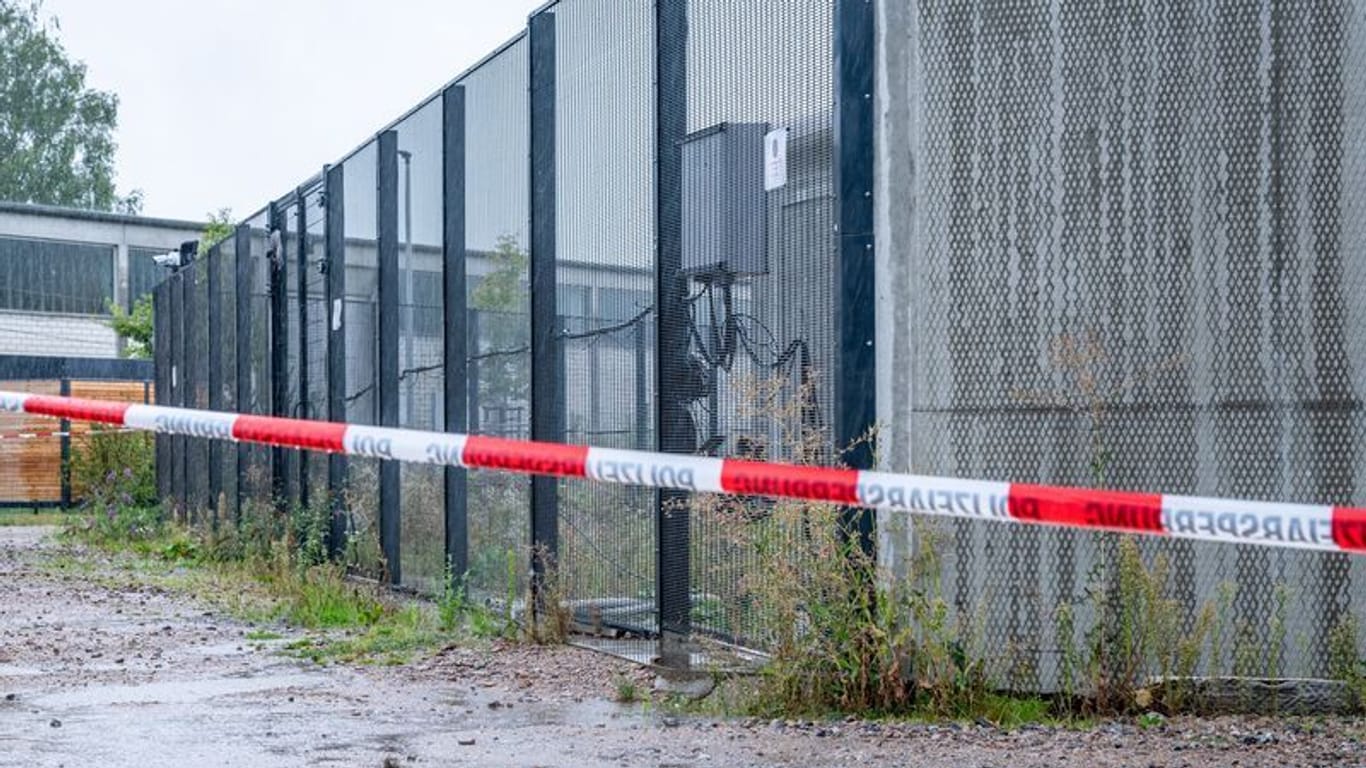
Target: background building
61 269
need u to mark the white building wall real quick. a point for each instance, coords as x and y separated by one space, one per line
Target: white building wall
27 333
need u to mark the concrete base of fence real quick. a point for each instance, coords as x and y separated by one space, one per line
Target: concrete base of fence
1248 696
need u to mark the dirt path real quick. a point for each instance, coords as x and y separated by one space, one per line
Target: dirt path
94 672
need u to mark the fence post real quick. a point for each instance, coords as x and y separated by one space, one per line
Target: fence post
161 362
456 347
856 366
301 296
544 372
242 253
279 348
215 320
334 229
184 320
387 232
64 426
673 422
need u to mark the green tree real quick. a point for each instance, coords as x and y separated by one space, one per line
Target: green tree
217 230
135 327
56 134
500 299
501 289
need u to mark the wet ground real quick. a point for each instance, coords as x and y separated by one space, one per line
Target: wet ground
97 671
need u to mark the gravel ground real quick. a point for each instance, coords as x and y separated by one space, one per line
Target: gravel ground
120 673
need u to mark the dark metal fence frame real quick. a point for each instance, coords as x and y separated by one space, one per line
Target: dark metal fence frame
546 382
853 168
455 343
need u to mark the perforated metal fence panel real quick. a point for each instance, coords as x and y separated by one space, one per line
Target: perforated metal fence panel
1123 236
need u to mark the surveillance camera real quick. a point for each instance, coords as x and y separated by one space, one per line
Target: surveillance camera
169 260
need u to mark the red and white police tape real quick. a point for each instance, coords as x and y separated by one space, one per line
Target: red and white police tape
1299 526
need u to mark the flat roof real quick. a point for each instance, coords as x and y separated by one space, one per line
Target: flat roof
107 217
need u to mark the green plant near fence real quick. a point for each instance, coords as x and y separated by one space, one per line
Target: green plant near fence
114 468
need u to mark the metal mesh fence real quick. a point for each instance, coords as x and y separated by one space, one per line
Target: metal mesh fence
315 337
199 505
604 267
224 345
1115 247
175 286
162 325
1128 270
497 324
758 265
360 326
421 371
294 406
254 460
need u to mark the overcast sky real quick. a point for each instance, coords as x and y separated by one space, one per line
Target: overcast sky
227 103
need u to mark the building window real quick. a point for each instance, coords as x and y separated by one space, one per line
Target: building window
427 302
143 273
48 276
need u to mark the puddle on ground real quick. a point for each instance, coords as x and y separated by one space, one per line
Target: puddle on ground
172 691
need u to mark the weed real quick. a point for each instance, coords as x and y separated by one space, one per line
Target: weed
116 524
391 642
263 635
271 567
548 619
113 468
323 598
841 639
512 570
309 529
484 625
1343 662
180 548
1010 712
452 603
1149 720
1137 635
627 691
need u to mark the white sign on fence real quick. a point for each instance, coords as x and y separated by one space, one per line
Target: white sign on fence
775 160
